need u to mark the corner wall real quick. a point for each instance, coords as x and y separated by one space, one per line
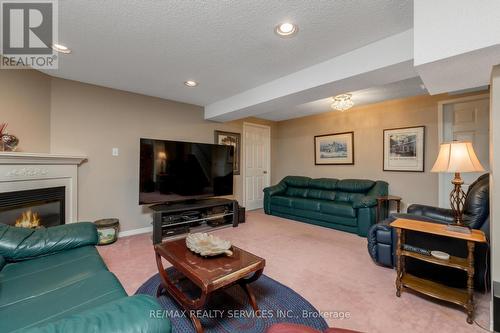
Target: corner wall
296 145
25 106
91 120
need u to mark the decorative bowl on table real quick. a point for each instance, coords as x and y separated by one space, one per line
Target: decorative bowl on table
208 245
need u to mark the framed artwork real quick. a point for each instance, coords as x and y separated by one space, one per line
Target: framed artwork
231 139
404 149
336 149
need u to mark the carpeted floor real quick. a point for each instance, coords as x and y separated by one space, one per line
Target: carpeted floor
231 312
329 268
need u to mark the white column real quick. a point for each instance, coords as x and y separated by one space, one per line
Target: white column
495 178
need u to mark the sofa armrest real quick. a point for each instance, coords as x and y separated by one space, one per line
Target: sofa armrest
140 313
269 192
275 190
439 215
364 201
380 188
20 243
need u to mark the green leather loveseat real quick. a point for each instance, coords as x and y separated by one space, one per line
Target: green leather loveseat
53 280
348 204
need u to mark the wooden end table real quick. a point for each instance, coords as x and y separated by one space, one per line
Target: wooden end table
463 297
386 199
208 274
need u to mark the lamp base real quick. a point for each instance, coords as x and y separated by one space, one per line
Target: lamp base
458 228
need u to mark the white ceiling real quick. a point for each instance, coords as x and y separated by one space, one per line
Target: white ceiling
152 47
395 90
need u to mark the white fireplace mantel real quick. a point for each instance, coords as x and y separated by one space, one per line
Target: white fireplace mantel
39 158
27 171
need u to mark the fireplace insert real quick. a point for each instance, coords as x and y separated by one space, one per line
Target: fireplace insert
44 207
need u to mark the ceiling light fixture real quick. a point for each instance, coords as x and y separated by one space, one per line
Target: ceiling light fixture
191 83
286 29
342 102
61 48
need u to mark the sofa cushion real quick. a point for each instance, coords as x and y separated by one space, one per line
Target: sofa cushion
337 208
308 214
99 288
324 183
18 244
298 192
355 185
36 277
2 262
280 200
306 204
314 193
297 181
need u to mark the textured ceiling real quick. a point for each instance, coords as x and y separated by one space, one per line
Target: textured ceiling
400 89
152 47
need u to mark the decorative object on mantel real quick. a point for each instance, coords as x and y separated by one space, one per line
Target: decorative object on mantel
8 142
208 245
107 230
457 157
230 139
404 149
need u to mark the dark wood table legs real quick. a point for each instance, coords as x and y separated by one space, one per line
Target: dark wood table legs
384 201
248 268
460 296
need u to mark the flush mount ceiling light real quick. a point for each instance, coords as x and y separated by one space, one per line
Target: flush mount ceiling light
286 29
342 102
191 83
61 48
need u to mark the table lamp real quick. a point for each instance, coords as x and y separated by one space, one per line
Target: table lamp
457 157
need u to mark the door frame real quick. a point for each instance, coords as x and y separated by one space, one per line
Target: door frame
440 109
243 157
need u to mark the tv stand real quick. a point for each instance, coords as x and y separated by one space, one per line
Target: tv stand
175 220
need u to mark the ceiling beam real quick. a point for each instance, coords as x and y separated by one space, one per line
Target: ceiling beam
382 62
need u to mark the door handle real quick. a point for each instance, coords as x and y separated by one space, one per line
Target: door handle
265 172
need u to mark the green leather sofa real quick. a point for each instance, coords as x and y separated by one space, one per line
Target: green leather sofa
54 280
348 205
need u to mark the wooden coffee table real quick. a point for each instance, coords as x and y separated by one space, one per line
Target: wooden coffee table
208 274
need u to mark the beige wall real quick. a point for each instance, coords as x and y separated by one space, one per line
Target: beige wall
25 106
91 120
296 136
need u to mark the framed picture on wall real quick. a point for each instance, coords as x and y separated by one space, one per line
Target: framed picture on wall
230 139
404 149
334 149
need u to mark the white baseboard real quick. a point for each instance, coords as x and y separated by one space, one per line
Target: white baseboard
135 232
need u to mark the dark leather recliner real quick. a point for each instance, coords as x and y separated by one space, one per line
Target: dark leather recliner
382 238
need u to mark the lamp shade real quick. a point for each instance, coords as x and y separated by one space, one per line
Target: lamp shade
457 157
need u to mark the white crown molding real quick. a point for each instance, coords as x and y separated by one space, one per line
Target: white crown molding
40 158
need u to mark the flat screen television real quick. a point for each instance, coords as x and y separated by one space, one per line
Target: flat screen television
179 171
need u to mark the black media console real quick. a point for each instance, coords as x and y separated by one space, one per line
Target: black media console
177 219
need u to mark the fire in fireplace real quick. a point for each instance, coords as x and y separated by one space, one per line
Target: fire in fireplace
28 219
33 208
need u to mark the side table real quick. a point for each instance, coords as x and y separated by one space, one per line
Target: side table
386 199
461 296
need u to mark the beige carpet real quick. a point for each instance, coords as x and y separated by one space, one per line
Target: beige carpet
331 269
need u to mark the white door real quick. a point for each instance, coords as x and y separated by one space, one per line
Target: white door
465 120
257 163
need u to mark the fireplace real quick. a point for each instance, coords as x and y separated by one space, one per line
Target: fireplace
33 208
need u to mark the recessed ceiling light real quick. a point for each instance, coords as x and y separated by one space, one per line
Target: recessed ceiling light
191 83
286 29
60 48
